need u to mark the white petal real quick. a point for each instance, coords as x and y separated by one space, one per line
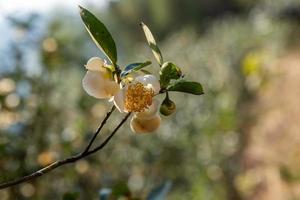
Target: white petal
139 125
149 81
95 64
95 85
150 112
119 100
111 87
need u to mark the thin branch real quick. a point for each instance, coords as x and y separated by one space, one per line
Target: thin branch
109 137
99 129
59 163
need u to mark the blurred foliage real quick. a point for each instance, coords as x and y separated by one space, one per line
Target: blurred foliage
45 115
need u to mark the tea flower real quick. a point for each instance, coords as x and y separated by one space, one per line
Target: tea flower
98 81
135 96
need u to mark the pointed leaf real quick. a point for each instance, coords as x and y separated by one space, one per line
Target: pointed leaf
99 34
145 71
169 71
134 67
187 87
152 44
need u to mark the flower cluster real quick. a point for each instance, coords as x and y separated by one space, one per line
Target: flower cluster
130 88
136 95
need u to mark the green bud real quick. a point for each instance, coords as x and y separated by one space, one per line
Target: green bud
167 107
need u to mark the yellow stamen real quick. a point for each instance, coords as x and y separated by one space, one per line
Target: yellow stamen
138 97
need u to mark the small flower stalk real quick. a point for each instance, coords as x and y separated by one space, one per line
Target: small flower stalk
129 88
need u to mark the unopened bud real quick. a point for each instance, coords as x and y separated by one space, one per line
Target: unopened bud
140 125
167 107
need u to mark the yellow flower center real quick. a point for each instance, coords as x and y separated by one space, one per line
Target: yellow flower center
138 97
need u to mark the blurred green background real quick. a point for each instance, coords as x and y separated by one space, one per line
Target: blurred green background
207 150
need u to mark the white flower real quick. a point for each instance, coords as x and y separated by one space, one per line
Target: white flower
136 96
98 81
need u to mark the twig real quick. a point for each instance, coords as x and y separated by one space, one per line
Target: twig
71 159
99 129
109 137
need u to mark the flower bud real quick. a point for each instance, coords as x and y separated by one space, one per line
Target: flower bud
167 107
140 125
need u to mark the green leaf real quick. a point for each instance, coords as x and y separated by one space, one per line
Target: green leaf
152 44
99 34
169 71
187 87
145 71
134 67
